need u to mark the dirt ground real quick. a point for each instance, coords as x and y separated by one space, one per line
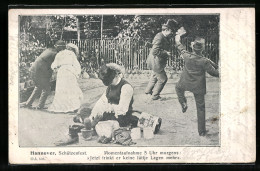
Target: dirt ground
43 129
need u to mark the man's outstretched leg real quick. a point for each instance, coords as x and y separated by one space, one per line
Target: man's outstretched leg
181 97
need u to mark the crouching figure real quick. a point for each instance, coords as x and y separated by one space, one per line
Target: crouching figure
115 104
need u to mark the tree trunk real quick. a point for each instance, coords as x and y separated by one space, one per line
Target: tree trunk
78 28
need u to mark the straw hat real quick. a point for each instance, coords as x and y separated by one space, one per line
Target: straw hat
60 43
116 67
73 46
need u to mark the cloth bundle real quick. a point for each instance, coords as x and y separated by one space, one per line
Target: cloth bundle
104 140
106 128
109 131
123 136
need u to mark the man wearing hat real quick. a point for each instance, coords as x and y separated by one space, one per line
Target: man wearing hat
157 59
193 78
41 73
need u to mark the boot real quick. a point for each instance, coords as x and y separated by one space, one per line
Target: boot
156 97
184 107
25 105
72 138
149 93
158 126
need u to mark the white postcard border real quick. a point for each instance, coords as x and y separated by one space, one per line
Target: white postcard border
238 127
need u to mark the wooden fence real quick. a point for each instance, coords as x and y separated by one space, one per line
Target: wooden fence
128 52
133 54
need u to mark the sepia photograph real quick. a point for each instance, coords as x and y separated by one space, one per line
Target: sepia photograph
119 74
148 86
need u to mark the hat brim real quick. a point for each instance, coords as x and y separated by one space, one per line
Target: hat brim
166 27
195 48
116 67
60 45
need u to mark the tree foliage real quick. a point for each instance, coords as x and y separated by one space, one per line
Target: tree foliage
146 26
36 32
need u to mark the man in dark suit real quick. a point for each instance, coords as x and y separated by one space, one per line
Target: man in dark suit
193 78
41 73
157 59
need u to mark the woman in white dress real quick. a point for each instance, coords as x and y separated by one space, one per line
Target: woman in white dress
68 95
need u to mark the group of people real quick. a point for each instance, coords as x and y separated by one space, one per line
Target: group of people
68 95
193 77
116 102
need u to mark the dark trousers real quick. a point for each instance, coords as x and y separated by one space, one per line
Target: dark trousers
44 91
200 105
156 83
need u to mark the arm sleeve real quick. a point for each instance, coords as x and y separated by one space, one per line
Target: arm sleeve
77 66
157 47
100 107
180 47
125 99
184 53
55 62
213 64
210 69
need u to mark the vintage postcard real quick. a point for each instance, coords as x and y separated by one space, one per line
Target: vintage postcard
164 85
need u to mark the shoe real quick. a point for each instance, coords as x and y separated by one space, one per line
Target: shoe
156 97
158 126
39 108
150 93
204 133
24 105
184 107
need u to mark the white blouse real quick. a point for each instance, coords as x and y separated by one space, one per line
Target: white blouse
102 104
68 59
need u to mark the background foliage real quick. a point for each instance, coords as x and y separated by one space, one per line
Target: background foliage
37 31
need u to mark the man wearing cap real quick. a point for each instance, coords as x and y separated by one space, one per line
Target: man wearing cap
41 73
193 78
157 59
